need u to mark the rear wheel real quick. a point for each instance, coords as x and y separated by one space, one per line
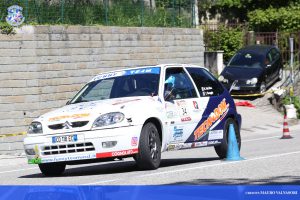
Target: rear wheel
221 150
52 169
149 155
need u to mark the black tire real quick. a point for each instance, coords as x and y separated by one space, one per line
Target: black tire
221 150
149 155
52 169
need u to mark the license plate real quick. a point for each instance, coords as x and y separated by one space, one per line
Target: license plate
62 139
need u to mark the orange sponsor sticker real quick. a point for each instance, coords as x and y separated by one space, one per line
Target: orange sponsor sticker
74 116
213 117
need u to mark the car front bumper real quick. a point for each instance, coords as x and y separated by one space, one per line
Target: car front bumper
243 89
93 144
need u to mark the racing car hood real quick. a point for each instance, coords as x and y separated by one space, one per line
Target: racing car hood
89 111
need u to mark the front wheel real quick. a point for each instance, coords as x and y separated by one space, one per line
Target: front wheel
221 149
52 169
149 155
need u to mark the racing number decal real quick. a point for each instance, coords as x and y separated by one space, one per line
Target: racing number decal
184 112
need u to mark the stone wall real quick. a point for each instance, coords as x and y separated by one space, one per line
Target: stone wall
42 67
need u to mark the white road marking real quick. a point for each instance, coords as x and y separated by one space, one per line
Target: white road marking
265 138
200 167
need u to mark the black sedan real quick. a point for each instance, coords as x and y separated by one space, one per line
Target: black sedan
253 69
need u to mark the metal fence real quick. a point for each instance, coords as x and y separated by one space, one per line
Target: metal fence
279 39
158 13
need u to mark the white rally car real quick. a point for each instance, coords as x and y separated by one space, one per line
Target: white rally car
137 112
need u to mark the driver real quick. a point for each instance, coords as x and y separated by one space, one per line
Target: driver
169 88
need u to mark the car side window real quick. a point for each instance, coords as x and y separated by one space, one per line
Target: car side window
275 54
178 85
269 58
207 84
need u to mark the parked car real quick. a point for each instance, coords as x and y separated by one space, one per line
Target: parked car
254 68
137 112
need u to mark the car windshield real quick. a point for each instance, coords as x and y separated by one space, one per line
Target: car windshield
127 83
246 59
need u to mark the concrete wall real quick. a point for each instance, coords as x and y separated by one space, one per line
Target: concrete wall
42 67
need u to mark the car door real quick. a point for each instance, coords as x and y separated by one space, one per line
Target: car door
181 105
208 129
276 62
269 68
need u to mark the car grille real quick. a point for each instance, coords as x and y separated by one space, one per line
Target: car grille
73 125
67 148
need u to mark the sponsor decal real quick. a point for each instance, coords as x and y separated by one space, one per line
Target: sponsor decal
172 147
108 75
15 16
215 117
199 144
121 102
134 141
186 146
195 105
181 103
177 133
206 88
84 106
69 158
117 153
186 119
215 135
35 161
152 70
213 142
74 116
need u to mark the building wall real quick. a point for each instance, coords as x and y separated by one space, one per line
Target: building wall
42 67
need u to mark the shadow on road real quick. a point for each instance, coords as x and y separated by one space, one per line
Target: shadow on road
277 180
119 167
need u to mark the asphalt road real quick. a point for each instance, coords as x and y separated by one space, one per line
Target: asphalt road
268 160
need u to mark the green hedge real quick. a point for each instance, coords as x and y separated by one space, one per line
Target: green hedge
226 39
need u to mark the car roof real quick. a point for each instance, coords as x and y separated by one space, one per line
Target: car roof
147 66
259 49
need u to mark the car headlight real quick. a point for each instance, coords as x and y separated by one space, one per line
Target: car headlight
35 128
222 79
252 81
109 119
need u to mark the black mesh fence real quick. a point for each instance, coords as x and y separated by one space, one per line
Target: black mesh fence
158 13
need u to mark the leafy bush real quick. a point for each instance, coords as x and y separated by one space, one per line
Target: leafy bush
274 19
6 29
226 39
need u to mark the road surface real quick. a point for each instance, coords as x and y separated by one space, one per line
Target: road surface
268 160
